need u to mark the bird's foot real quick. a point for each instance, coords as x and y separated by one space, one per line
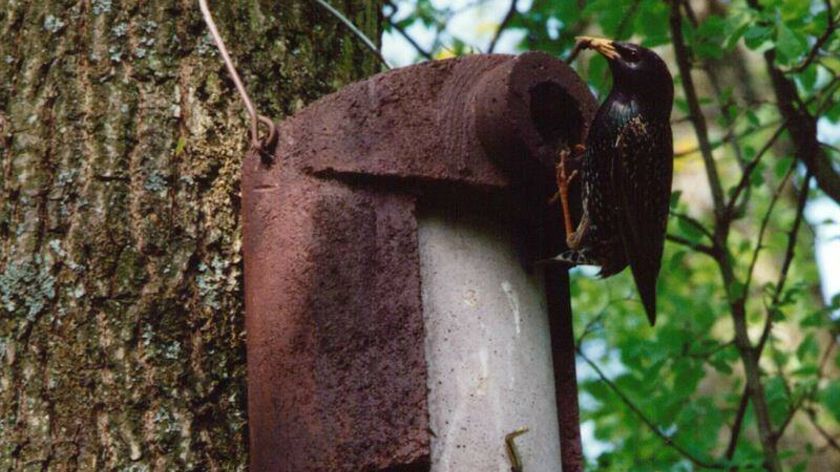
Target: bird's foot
510 449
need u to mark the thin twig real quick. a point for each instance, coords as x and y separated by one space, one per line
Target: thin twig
505 21
410 40
668 440
763 226
359 34
708 250
812 416
789 253
750 167
598 318
738 424
727 138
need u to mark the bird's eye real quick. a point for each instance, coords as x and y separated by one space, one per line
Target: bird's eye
632 55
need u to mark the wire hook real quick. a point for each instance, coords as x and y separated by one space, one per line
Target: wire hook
264 147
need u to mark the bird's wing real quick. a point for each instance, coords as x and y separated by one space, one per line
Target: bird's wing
641 172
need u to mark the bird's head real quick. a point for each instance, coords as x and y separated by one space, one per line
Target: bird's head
635 70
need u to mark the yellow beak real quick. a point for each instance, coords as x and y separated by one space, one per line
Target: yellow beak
603 46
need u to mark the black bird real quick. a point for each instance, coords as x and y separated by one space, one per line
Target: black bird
626 171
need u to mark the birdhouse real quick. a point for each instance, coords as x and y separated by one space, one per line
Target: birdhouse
394 317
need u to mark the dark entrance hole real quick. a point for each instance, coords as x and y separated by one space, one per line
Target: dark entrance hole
551 108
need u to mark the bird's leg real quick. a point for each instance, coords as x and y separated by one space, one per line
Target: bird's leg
563 182
575 238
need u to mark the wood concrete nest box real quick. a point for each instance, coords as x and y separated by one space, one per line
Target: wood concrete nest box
337 370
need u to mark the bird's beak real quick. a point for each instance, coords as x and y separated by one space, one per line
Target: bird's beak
603 46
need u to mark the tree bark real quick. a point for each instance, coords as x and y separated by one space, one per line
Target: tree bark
121 137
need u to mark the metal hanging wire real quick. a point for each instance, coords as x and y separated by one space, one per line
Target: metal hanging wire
264 147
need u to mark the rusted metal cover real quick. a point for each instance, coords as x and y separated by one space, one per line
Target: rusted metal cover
336 366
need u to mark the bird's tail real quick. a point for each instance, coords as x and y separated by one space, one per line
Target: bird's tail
646 284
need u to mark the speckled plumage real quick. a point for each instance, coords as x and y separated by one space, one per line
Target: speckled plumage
626 172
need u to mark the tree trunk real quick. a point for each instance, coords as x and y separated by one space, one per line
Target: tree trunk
121 137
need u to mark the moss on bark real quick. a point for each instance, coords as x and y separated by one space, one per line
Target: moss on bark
122 335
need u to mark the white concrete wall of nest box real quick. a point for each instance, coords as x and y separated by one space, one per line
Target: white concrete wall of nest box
487 348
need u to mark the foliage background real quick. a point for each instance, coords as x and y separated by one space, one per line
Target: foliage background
740 290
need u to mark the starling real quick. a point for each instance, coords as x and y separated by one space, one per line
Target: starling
625 171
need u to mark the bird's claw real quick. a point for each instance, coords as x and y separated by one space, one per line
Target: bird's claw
564 179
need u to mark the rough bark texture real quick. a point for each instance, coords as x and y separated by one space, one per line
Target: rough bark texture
121 138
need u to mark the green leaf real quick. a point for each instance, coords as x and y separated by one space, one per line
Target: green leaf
814 319
756 35
789 44
808 78
757 177
687 376
736 25
720 365
675 198
792 10
736 290
777 399
782 166
808 349
830 398
677 260
689 231
708 38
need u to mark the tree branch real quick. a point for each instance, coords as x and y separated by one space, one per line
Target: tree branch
505 21
747 172
802 126
668 440
708 250
830 27
697 117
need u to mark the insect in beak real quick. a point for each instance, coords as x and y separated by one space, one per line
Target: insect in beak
604 46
